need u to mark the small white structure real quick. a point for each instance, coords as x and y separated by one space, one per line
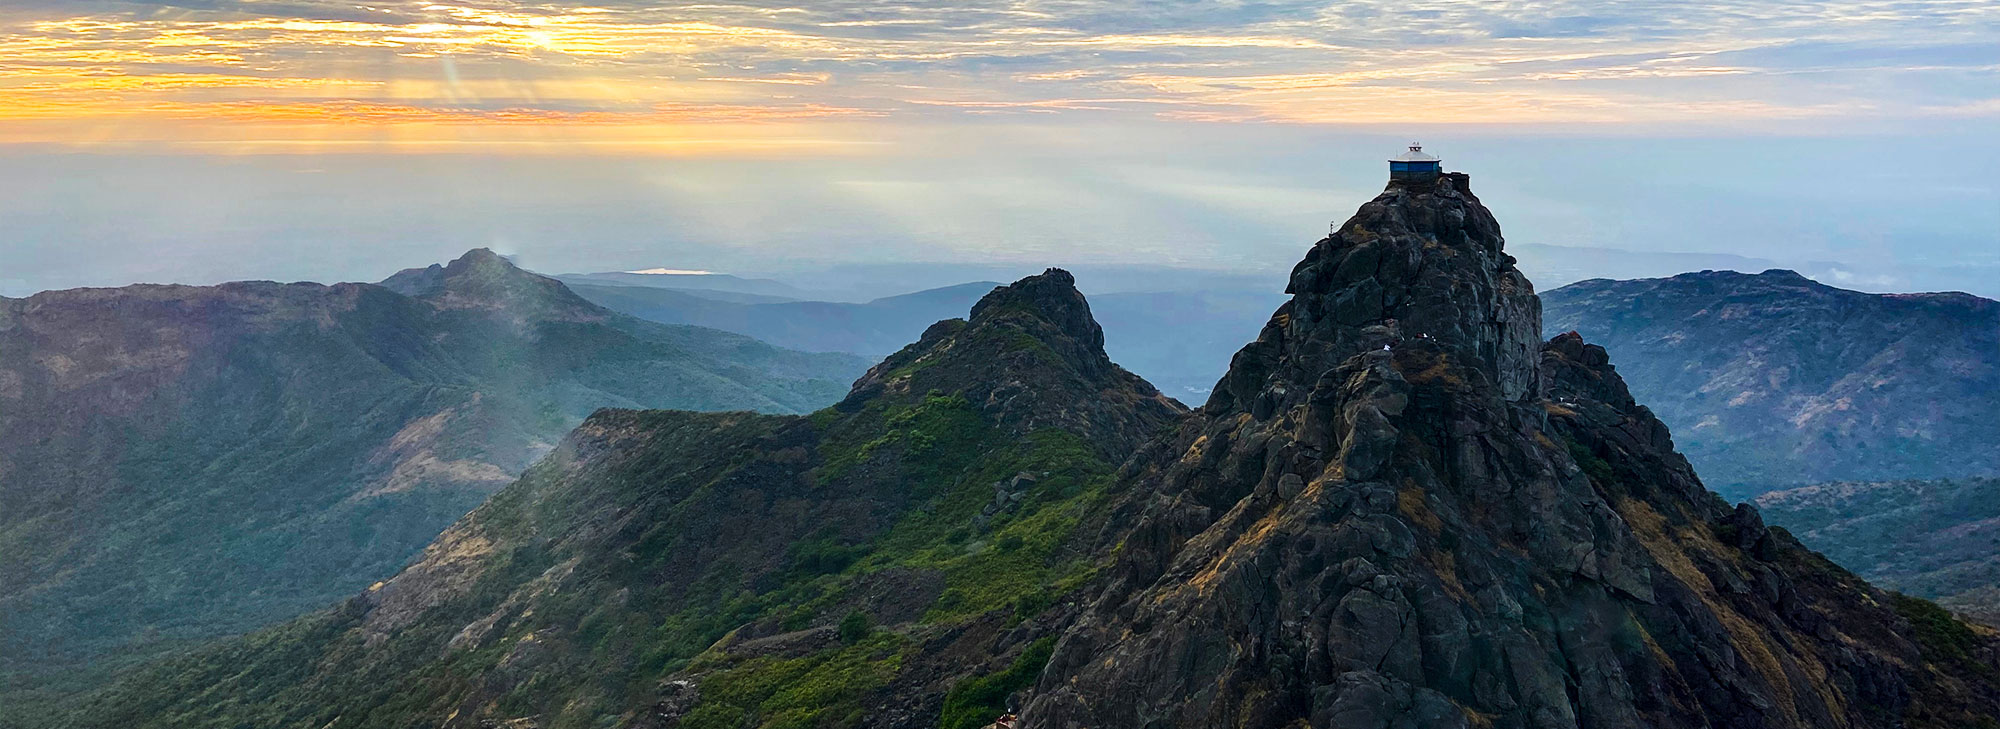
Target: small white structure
1414 164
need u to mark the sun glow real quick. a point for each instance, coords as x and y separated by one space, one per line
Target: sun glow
327 75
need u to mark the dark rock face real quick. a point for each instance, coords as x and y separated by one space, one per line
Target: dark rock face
1462 530
1419 262
1773 380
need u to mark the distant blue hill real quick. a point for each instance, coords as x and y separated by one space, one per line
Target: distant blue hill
713 285
1179 340
874 328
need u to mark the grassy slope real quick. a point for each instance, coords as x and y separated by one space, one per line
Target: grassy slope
787 571
310 441
616 631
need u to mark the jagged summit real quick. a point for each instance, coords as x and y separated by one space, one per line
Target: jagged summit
1420 262
484 280
1401 509
1031 356
1050 307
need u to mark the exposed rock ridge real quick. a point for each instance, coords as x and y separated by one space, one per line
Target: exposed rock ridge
1417 262
1399 511
1030 357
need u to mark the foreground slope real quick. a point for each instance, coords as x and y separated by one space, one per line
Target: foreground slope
1774 380
1930 538
178 462
870 564
1400 509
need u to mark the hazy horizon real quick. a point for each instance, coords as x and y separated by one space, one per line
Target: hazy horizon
1843 213
200 141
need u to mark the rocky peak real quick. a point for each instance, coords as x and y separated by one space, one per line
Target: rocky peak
484 280
1401 509
1419 262
1050 308
1031 356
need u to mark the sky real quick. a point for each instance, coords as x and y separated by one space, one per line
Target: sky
206 140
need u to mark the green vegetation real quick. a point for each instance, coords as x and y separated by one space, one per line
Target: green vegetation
1598 469
626 630
1017 553
1925 538
934 437
779 568
975 701
855 627
820 691
1942 634
295 444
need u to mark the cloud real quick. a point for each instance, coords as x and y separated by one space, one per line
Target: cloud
1360 61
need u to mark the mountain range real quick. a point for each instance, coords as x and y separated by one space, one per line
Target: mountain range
717 286
1180 340
1400 507
873 328
1847 385
1773 380
179 463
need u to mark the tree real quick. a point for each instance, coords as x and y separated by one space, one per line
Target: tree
855 627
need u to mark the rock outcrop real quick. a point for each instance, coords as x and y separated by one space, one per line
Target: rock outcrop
1417 263
1026 331
1396 512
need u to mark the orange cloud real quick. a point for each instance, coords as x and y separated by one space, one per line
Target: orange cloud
542 71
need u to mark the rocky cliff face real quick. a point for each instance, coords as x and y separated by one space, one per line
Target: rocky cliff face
1416 263
178 462
1371 527
1773 380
